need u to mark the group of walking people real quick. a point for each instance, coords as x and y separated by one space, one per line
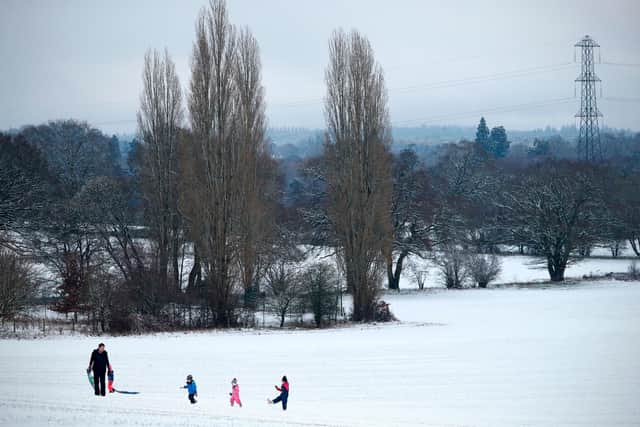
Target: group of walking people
99 364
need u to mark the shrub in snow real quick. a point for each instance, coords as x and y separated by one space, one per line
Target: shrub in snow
483 269
145 323
320 291
383 312
452 265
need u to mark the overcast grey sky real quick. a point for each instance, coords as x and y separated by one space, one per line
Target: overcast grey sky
444 61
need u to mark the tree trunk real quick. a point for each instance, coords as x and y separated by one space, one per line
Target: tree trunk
556 269
175 255
163 263
393 284
635 245
615 249
195 275
394 276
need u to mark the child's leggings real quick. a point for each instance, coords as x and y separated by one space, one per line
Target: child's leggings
283 399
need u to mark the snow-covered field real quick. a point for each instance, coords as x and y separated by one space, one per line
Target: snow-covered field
544 355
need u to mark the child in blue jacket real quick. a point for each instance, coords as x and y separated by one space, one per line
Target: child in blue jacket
191 389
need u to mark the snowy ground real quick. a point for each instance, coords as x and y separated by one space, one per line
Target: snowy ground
545 355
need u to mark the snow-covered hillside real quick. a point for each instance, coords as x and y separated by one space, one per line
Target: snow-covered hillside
552 355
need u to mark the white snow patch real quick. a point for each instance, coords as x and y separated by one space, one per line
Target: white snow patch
565 355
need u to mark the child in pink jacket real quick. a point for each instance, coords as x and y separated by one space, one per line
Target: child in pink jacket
235 393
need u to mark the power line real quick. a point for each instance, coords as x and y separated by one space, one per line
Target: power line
512 51
620 64
523 72
469 113
620 99
502 109
488 77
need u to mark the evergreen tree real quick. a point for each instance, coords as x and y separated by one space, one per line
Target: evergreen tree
482 135
498 142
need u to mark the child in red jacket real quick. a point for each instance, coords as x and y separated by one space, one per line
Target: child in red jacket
284 394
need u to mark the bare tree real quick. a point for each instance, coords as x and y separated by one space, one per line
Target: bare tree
70 244
253 221
191 176
283 289
17 284
75 153
410 230
227 120
554 208
20 191
106 204
100 297
462 185
420 275
159 121
213 113
358 165
623 202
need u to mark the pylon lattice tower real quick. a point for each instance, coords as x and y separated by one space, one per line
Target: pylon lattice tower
589 137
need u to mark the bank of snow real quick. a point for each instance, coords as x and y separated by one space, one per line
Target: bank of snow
566 355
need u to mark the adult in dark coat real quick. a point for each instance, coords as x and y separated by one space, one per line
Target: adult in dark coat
99 363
